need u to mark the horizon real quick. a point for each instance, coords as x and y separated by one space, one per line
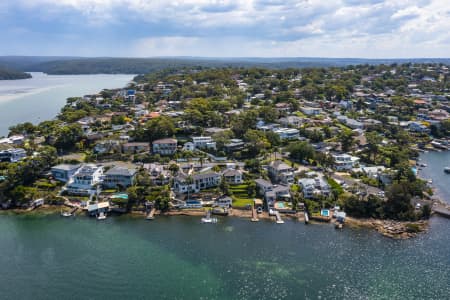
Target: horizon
366 29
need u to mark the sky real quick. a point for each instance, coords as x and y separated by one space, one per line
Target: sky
226 28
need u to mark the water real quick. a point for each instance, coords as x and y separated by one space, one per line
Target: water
436 162
49 257
41 97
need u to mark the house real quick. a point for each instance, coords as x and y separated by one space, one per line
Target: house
278 193
86 180
291 121
204 142
189 146
119 177
287 133
107 146
131 148
14 140
164 146
280 172
418 127
312 187
232 176
64 172
234 145
157 173
311 111
195 183
344 162
263 186
12 155
224 201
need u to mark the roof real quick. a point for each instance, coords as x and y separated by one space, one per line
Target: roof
231 172
66 167
121 171
165 141
96 206
263 182
279 165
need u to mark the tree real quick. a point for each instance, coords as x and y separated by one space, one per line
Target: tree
398 204
346 140
300 151
373 144
224 187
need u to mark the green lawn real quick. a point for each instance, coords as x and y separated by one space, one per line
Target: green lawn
240 195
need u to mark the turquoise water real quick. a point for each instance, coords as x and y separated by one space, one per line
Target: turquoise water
179 258
41 97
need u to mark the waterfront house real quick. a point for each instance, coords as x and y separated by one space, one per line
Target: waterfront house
263 186
164 146
280 172
232 176
119 177
12 155
195 183
64 172
278 193
223 201
313 187
85 181
131 148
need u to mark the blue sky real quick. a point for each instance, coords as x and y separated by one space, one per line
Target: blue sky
226 28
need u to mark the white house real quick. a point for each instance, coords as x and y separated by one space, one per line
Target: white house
288 133
196 183
312 187
344 162
12 155
280 172
85 180
204 142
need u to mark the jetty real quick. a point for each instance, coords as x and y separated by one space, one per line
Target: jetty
151 214
441 210
70 212
278 217
254 214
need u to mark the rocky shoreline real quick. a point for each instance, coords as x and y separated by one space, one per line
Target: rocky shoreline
388 228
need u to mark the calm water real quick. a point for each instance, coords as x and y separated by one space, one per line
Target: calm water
436 162
41 97
179 258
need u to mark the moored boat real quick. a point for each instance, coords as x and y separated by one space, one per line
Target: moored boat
447 170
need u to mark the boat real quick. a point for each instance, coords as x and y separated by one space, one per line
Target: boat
66 214
101 216
447 170
306 218
338 225
208 218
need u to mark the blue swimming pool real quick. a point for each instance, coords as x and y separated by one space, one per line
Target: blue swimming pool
325 212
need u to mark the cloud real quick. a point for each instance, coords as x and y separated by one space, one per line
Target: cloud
243 28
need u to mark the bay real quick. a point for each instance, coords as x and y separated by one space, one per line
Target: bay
41 98
49 257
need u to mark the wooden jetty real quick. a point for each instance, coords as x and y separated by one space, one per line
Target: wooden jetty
151 214
254 214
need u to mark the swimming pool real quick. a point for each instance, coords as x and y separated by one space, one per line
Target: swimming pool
280 205
325 212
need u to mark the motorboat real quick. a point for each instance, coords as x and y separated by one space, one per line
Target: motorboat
447 170
208 219
101 216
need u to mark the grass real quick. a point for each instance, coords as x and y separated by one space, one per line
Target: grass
240 195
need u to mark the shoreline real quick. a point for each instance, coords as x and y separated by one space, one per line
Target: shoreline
399 230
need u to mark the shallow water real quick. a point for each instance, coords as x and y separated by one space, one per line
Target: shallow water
41 97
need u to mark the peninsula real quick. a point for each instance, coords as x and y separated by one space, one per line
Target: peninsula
310 143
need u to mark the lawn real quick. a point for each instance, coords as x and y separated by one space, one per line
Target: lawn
240 195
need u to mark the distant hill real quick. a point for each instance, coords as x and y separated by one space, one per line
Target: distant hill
106 65
8 74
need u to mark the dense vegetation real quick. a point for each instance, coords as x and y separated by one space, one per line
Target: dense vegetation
7 74
77 65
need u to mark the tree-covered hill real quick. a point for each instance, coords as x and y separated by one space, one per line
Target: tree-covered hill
7 74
